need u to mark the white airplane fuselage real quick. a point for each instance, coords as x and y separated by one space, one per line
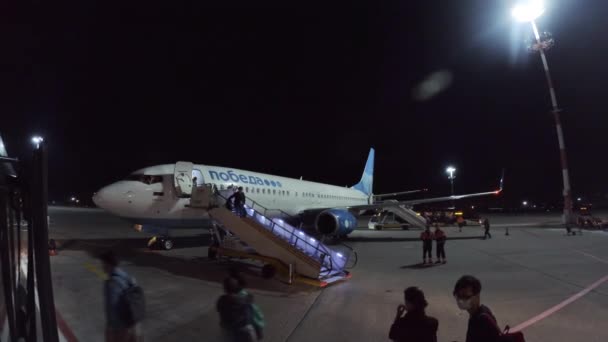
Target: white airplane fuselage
149 195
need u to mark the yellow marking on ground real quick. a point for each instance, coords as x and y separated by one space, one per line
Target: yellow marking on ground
94 269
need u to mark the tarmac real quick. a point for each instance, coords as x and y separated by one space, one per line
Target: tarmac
554 286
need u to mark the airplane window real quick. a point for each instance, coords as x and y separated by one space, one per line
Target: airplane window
274 192
287 192
147 179
263 191
246 189
258 190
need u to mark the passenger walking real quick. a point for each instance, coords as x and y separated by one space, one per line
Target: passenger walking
239 201
415 325
486 227
460 222
440 239
427 245
482 325
236 317
122 324
257 314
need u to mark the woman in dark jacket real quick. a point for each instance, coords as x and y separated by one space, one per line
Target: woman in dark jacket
415 325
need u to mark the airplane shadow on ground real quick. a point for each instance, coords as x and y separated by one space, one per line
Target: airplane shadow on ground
419 266
135 251
393 239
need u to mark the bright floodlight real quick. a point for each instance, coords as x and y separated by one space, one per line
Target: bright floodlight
450 170
529 10
525 203
37 140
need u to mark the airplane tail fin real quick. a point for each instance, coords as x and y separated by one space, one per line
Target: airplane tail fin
366 183
6 169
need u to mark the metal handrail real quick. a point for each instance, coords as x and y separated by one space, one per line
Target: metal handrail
292 236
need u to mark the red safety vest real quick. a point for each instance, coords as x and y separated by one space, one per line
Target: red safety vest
426 236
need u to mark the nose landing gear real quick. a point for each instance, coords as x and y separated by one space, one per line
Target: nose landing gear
160 242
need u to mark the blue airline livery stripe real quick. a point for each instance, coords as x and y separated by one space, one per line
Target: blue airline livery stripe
238 177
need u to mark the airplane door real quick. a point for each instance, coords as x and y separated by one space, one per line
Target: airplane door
182 179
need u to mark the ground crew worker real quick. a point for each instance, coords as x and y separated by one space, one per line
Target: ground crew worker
427 245
440 239
486 226
460 221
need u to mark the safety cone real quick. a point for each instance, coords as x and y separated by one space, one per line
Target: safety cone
52 247
507 232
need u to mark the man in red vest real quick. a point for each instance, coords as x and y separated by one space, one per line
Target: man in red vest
427 245
440 239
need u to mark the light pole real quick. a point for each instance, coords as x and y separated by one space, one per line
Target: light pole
36 140
529 12
450 171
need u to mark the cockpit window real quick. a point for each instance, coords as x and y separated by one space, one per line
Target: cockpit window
147 179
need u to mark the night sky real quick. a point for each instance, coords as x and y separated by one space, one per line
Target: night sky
306 90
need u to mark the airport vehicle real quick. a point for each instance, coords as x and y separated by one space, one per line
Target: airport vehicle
387 220
157 198
587 220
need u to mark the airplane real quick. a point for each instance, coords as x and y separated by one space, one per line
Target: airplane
157 198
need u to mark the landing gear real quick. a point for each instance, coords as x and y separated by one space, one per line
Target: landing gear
160 242
268 271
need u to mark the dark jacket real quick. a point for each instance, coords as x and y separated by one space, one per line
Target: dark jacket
483 326
414 327
234 311
114 287
440 236
239 198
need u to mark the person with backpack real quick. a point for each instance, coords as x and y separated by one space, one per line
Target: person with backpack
124 303
236 315
257 316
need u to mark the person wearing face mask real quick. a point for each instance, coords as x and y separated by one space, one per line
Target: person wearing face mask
482 323
415 325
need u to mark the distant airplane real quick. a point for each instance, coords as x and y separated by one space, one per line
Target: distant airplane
158 197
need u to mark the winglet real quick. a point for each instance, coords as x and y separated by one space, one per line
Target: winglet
501 185
366 183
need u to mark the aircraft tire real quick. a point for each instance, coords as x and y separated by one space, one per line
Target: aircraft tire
167 244
212 253
268 271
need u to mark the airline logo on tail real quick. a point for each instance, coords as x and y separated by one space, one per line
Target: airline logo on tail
366 183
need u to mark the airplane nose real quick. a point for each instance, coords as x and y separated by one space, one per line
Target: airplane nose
108 197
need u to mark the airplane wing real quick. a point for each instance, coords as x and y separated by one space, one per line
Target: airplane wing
393 203
394 194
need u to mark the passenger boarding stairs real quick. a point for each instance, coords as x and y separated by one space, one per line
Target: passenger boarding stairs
405 213
275 238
